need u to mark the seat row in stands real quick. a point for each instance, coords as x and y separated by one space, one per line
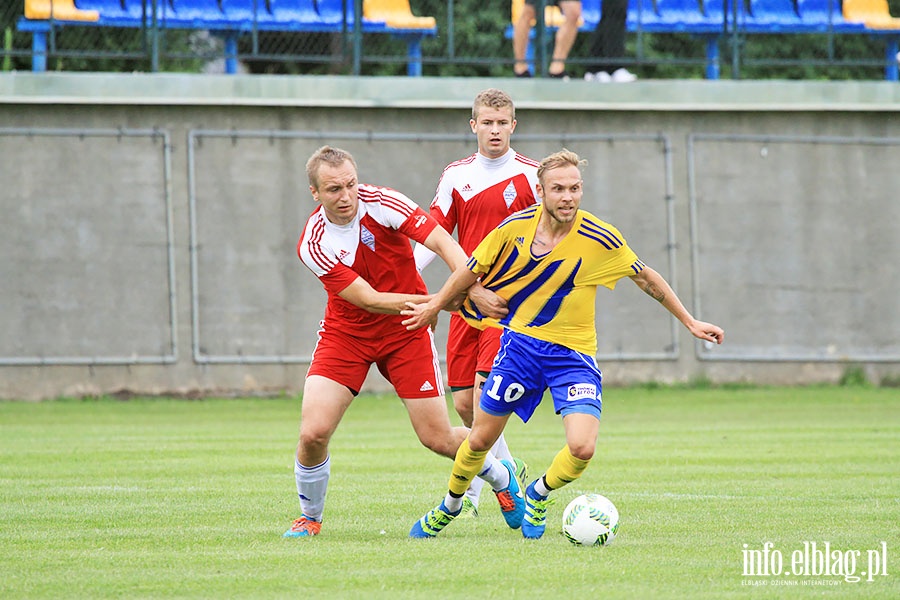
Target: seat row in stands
711 19
229 18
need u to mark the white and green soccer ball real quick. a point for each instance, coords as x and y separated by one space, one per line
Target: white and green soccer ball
590 520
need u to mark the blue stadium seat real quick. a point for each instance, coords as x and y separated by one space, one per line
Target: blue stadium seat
115 10
720 12
253 11
684 15
773 16
296 11
691 16
197 14
332 11
826 16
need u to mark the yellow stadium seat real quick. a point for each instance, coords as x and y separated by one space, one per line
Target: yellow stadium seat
396 13
553 17
58 9
874 13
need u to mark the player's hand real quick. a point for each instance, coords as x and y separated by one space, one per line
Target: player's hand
488 303
419 315
707 332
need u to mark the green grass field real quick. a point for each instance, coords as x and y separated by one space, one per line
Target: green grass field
164 498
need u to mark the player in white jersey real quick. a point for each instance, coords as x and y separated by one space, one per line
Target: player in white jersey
473 196
357 243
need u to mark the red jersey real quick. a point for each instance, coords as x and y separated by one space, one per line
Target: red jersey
374 246
476 193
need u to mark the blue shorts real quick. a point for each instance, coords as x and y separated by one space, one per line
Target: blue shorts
526 366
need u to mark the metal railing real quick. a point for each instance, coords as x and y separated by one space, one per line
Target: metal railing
68 302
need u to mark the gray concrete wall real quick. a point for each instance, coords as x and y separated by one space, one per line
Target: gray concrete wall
149 222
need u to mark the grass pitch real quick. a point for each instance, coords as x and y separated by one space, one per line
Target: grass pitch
162 498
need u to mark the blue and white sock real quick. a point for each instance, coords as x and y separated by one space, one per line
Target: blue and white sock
495 473
312 483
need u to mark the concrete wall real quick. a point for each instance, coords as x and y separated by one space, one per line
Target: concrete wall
149 222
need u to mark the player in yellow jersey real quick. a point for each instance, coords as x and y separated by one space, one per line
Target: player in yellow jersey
546 261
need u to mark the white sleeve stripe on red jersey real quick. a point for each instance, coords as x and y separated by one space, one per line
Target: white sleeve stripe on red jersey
376 195
400 207
388 201
463 161
438 198
315 250
524 159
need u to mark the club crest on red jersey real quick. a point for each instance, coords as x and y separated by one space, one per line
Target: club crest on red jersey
509 194
366 237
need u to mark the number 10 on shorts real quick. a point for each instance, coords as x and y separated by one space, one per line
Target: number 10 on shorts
511 392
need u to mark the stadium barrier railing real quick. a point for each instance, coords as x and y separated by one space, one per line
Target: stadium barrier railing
230 19
296 36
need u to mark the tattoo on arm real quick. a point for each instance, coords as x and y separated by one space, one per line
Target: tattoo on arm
655 292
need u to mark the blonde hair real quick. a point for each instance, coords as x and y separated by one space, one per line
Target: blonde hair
559 159
327 155
493 98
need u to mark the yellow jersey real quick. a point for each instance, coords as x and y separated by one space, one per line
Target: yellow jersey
550 297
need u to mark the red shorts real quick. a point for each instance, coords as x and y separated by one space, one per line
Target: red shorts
469 350
408 359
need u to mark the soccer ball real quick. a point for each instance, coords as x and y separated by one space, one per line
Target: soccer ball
590 520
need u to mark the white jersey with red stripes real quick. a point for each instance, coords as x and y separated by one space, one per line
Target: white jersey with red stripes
476 193
375 246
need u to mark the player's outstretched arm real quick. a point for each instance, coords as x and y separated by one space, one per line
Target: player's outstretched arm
423 256
421 314
363 295
442 243
655 286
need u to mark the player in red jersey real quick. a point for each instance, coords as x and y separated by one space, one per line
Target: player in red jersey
357 242
473 196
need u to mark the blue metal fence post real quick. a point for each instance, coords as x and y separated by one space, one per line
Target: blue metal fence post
712 57
231 51
414 57
891 68
39 51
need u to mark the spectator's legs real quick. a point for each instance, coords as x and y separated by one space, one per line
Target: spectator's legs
607 42
521 31
565 35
